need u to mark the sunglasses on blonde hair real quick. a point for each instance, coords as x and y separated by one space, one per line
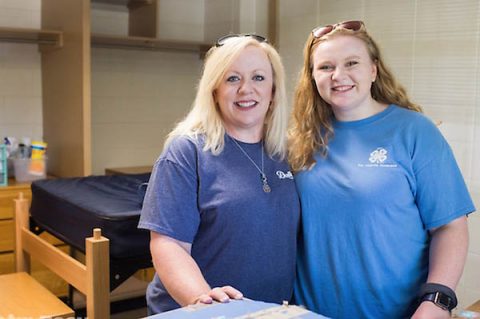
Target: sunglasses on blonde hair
221 41
319 32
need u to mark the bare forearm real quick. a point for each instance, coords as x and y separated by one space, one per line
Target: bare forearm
448 252
178 271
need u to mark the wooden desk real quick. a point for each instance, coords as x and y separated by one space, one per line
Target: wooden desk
128 170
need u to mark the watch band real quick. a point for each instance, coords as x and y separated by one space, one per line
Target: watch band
439 299
441 295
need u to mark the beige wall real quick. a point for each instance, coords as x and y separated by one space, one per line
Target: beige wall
20 74
433 46
138 95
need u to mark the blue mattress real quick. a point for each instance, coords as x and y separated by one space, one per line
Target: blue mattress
70 208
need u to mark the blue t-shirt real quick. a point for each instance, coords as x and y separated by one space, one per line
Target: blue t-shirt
366 211
240 235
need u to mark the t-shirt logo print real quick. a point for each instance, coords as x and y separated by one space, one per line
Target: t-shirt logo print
283 175
378 156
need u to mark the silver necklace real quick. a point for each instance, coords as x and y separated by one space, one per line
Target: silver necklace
263 177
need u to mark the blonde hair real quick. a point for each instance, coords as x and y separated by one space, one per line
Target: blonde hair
311 124
205 118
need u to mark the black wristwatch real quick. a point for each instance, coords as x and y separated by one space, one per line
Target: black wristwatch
441 300
442 296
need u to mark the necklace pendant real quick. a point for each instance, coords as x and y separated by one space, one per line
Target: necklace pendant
266 187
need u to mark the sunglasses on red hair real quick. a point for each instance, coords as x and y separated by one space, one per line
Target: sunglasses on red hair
319 32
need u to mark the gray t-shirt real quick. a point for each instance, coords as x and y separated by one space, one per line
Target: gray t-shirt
240 235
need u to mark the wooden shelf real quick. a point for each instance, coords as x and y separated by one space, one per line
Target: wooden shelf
22 35
126 42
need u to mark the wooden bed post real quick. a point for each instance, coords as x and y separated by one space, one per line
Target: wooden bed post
98 276
22 259
91 278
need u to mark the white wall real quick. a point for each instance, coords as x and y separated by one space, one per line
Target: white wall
20 74
254 17
138 96
181 20
433 46
234 16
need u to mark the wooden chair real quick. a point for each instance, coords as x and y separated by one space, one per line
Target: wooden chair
22 296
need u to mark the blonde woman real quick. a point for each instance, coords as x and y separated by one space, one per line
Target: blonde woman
221 204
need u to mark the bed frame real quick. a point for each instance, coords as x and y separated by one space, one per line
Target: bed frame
92 278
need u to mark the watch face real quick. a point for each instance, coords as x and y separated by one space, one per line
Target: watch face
442 300
441 295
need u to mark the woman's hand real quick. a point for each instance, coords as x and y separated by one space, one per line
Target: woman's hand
220 294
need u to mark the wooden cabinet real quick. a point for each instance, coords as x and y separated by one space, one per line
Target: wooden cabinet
7 206
8 194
